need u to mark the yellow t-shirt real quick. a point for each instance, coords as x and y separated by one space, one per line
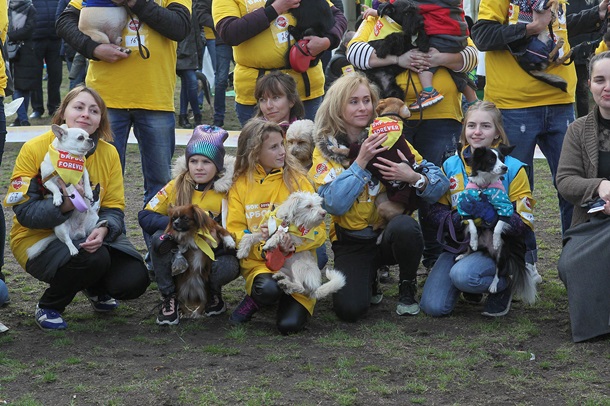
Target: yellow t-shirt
134 82
508 85
104 167
266 50
249 202
3 31
450 107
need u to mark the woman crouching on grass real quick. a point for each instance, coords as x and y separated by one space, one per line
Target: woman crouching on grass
202 177
350 192
264 177
107 266
473 274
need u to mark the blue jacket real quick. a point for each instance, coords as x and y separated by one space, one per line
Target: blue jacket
45 19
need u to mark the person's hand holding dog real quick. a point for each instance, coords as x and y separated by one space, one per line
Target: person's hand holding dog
95 240
480 209
282 6
414 60
397 171
316 45
541 21
110 53
370 147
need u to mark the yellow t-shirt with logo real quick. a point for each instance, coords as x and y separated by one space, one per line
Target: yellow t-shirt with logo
508 85
134 82
450 107
266 50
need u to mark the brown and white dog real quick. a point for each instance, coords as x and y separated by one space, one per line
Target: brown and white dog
299 141
190 228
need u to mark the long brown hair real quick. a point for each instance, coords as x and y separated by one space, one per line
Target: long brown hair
249 146
103 130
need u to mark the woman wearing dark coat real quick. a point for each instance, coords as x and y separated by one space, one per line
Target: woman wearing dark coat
22 21
189 61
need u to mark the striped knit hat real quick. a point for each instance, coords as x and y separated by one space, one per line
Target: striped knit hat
207 140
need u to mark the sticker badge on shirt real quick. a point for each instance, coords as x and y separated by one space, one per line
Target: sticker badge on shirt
134 26
17 191
279 29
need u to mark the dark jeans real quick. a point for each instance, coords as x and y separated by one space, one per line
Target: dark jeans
188 91
359 260
224 56
2 142
291 315
47 51
106 271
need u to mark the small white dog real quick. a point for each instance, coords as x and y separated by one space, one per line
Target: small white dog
70 145
302 211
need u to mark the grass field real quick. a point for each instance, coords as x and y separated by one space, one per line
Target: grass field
525 358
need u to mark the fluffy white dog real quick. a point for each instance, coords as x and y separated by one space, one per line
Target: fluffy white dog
104 24
300 273
67 156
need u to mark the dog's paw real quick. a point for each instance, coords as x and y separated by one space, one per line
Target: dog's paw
460 257
493 288
73 250
283 284
57 199
243 251
474 244
497 241
228 241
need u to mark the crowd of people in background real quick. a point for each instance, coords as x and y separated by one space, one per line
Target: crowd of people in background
119 88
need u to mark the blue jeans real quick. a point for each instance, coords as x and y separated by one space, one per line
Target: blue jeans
3 292
435 140
155 132
224 56
22 112
472 274
188 91
245 112
545 126
210 45
2 142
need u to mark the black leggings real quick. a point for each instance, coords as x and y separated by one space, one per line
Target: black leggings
106 271
291 315
401 244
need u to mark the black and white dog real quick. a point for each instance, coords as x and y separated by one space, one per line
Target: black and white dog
485 184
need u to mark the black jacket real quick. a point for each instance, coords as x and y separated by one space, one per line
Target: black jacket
24 68
45 19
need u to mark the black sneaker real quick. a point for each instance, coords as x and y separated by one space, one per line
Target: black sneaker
406 298
472 298
215 306
244 311
168 314
498 304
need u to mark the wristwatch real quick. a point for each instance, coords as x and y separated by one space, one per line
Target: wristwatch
420 183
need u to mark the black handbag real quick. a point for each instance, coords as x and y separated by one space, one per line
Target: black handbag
10 84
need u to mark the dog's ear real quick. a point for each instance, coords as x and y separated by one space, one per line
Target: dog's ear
59 131
505 149
381 106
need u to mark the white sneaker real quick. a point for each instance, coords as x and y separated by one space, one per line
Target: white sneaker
533 273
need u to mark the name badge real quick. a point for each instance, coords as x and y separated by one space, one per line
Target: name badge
132 40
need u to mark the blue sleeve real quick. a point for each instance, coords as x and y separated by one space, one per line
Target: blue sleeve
500 201
151 221
438 184
340 194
